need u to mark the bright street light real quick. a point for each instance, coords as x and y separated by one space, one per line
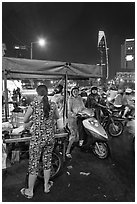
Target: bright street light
41 42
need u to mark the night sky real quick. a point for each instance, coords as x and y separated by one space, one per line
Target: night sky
71 29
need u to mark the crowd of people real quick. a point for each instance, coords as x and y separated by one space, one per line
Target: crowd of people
124 99
78 101
44 112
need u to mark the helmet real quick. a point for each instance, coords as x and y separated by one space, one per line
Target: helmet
75 87
94 88
128 90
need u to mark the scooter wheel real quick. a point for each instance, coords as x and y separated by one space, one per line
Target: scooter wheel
101 150
115 129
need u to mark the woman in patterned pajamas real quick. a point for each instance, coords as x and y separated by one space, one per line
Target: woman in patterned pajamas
43 114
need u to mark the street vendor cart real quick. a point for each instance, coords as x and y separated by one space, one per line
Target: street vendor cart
16 68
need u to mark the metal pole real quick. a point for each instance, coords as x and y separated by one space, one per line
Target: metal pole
31 50
6 95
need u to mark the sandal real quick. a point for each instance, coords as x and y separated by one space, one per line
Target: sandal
50 184
24 194
68 155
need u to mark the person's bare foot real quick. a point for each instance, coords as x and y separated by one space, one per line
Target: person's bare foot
26 193
47 188
68 155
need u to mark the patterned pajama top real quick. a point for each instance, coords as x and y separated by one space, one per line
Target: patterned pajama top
42 140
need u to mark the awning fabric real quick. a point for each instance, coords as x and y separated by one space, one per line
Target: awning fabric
18 68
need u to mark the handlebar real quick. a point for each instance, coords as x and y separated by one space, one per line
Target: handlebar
107 109
86 113
102 106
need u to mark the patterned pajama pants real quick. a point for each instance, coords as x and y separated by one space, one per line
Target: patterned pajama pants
35 152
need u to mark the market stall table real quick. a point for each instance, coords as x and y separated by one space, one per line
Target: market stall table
61 136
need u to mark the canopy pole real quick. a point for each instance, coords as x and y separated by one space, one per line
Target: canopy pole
6 96
65 99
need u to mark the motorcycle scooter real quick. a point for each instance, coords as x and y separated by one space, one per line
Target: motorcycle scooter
94 137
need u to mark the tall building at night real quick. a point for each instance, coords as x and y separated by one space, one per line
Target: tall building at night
127 72
128 55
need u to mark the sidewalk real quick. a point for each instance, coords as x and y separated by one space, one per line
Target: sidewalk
84 179
19 169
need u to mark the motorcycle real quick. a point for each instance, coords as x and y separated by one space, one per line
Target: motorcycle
111 123
95 137
118 110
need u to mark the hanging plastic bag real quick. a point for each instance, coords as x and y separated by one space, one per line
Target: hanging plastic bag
4 156
15 156
60 124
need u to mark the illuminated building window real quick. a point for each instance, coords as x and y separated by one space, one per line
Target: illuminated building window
129 57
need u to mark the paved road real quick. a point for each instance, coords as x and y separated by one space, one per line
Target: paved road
110 180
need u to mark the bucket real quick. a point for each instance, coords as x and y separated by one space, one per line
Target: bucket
17 119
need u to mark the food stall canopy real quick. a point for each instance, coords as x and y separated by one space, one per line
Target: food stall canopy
19 68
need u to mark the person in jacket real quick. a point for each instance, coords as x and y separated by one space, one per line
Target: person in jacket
42 114
75 105
128 103
92 100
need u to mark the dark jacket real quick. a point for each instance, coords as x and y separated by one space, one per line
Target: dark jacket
92 100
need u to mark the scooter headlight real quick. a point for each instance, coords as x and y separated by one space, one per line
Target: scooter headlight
94 122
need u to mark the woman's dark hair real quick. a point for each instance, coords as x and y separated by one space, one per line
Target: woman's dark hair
58 89
43 91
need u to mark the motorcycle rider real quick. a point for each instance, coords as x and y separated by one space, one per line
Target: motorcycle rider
128 103
111 93
118 100
75 105
92 100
